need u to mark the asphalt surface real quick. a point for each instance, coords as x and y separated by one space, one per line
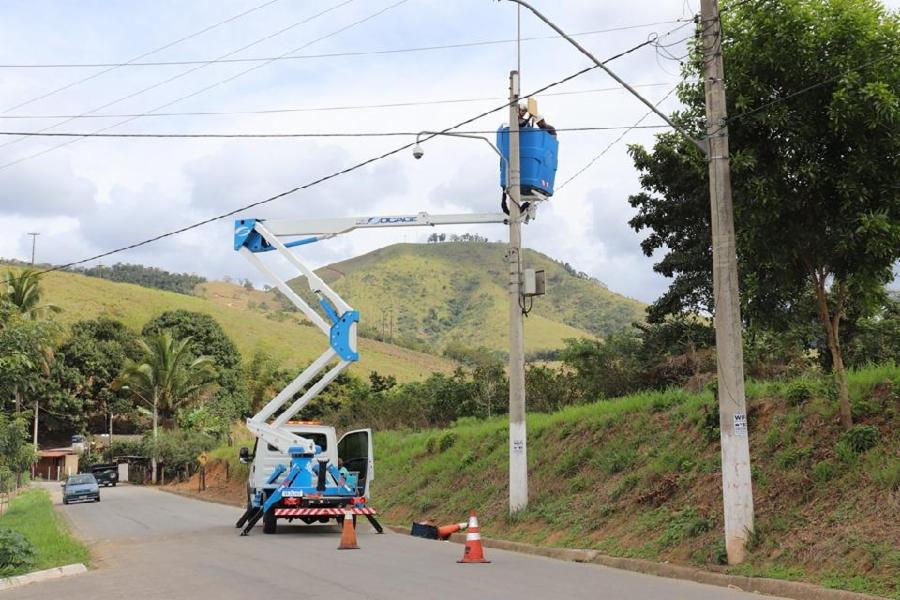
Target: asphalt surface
152 544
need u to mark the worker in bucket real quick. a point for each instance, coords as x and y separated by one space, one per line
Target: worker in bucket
527 119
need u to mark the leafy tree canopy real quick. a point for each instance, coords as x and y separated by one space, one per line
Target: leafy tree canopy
814 130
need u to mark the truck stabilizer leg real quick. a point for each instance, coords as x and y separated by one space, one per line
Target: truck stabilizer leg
244 517
375 523
256 515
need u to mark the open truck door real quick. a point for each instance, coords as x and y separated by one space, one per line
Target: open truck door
355 450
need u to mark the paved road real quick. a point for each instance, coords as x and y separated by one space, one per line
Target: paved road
151 544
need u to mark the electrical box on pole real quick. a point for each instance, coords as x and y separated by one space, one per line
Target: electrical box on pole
533 283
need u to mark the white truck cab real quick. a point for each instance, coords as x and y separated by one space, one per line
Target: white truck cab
354 449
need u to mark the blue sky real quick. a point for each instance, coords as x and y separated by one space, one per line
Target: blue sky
95 194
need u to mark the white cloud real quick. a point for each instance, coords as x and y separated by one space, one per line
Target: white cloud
98 194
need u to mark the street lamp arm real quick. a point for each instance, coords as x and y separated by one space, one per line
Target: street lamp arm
701 144
493 146
462 135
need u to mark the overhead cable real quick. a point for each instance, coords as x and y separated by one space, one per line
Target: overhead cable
609 72
221 82
131 61
177 76
452 46
609 146
349 134
330 176
302 109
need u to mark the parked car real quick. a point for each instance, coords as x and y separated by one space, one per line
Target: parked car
81 488
106 474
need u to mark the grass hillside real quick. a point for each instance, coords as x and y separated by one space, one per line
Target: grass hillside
242 314
456 292
639 477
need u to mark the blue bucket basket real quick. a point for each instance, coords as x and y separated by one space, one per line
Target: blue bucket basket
538 155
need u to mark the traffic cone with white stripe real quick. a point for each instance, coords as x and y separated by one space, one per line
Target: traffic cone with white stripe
447 530
473 553
348 535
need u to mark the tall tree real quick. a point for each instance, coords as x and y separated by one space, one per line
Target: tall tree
89 362
166 378
265 378
815 139
232 399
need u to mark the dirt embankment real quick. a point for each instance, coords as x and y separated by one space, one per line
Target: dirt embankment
222 485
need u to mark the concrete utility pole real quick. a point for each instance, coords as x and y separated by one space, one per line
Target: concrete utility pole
737 492
518 447
36 413
33 243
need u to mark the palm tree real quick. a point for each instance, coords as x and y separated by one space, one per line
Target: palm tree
23 291
166 378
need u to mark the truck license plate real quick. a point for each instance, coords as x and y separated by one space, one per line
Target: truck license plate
291 494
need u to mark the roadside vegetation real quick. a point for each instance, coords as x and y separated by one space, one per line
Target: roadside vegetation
34 537
639 476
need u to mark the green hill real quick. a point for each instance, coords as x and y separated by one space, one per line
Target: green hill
456 292
243 315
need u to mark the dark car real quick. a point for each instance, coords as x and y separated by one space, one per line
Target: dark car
81 488
106 474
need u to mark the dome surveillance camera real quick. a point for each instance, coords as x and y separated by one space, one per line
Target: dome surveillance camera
418 152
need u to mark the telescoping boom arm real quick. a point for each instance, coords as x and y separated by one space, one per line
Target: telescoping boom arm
253 237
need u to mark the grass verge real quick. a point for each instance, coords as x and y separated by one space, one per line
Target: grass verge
31 513
639 477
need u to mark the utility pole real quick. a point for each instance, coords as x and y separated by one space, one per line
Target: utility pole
33 244
35 437
737 491
518 447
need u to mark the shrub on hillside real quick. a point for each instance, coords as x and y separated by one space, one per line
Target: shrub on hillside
861 438
799 392
884 469
16 551
447 440
823 472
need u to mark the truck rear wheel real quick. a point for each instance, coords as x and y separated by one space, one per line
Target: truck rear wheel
269 521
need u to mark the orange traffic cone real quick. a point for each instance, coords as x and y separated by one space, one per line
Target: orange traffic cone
348 535
473 553
447 530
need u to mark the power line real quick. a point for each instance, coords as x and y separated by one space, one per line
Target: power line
175 77
226 80
298 188
317 108
326 55
609 72
360 134
330 176
114 66
609 146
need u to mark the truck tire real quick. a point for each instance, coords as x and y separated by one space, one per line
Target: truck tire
269 521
